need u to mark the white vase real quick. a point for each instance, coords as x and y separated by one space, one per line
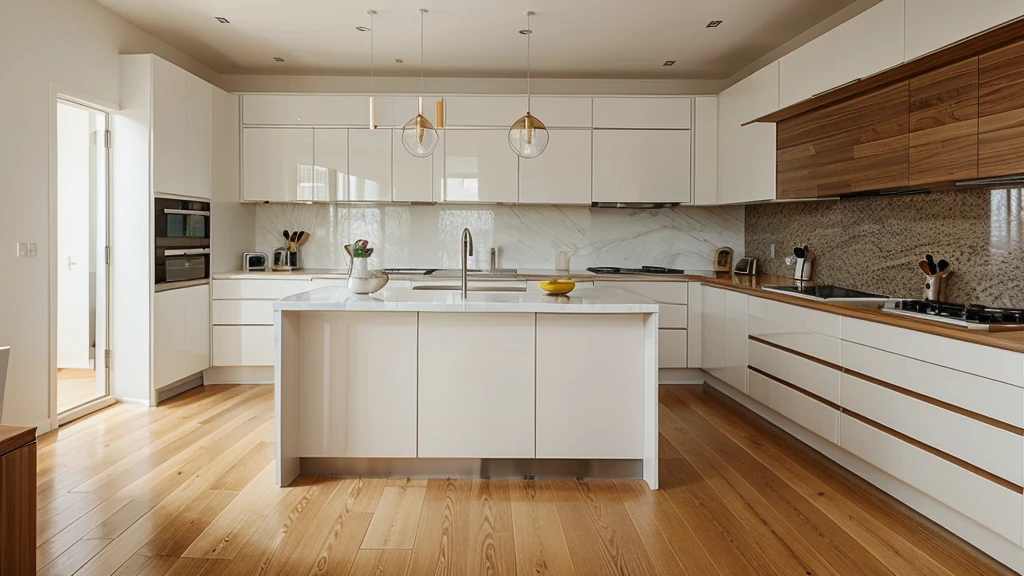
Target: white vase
359 268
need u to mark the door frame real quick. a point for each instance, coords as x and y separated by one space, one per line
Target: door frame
62 94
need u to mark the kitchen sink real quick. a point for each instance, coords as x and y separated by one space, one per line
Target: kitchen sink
472 288
498 273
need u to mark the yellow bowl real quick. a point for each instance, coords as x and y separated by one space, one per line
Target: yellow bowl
557 287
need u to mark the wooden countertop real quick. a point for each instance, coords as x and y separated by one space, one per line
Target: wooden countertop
14 437
752 285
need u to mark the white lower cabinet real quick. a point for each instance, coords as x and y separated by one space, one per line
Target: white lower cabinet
360 401
735 369
583 408
477 385
243 345
800 372
713 331
815 416
181 334
672 348
673 317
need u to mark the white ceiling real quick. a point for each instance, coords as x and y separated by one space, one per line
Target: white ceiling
479 38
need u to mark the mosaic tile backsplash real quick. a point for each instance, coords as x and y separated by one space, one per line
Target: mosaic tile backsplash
875 244
524 236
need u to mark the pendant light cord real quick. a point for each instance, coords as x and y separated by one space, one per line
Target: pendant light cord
529 39
372 13
422 81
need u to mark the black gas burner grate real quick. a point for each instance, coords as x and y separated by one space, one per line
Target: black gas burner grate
974 313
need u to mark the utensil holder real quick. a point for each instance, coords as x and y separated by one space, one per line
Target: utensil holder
935 288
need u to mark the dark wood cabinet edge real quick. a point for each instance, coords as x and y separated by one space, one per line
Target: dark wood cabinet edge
13 438
974 46
977 471
807 357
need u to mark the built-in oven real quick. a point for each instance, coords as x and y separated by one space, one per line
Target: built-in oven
182 230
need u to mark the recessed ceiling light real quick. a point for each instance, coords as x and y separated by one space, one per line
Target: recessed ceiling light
669 63
525 32
222 20
713 24
399 61
362 28
278 59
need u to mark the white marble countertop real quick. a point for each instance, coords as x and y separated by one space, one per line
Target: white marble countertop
582 301
523 274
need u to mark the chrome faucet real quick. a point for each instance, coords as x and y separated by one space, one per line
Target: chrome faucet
467 251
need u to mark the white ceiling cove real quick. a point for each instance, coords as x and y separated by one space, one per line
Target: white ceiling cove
479 38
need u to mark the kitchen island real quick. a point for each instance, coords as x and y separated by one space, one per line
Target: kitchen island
425 383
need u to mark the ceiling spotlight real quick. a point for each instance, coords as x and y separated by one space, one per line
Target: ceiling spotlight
525 32
362 28
278 59
669 63
713 24
222 20
399 61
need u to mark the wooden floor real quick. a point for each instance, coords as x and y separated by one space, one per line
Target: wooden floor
75 387
188 489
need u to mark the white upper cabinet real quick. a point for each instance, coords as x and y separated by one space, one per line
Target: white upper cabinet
933 24
746 154
480 167
170 133
199 138
305 110
870 42
275 159
483 111
395 111
369 166
328 177
808 70
705 150
562 174
412 177
641 166
650 113
557 112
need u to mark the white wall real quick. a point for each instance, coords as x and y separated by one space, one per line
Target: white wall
73 44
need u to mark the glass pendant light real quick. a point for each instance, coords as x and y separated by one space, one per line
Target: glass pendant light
528 137
418 135
373 93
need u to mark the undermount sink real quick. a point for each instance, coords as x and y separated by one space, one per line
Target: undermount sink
477 273
473 288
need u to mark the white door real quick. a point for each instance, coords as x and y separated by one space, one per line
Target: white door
81 272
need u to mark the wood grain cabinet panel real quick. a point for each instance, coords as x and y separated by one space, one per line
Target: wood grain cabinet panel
1001 108
18 511
944 124
854 146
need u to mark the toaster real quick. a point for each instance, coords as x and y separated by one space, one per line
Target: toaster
254 262
746 267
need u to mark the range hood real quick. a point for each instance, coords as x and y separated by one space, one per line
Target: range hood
634 205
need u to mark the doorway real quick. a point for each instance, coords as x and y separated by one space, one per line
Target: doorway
81 258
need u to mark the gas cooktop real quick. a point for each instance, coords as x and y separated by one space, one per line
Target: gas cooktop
642 270
973 316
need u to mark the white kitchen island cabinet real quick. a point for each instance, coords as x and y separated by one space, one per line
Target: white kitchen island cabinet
425 383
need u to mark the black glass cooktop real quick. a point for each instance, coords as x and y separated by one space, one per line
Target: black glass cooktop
826 292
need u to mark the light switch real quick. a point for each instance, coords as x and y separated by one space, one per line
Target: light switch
33 250
22 249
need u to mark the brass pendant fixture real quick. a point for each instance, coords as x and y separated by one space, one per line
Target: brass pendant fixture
528 136
418 135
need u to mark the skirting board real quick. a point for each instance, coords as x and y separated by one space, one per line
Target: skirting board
977 535
239 375
680 376
177 388
470 468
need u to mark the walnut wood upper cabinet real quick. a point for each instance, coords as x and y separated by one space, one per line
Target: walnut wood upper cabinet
1001 107
858 145
944 124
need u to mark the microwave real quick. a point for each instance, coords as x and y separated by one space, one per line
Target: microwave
182 231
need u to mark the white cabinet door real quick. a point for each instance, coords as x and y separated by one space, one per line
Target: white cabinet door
483 111
276 161
641 166
305 110
934 24
199 129
746 154
561 175
412 177
870 42
590 372
480 167
808 70
477 382
672 348
705 151
170 140
712 331
197 330
243 345
735 372
328 177
181 334
360 401
556 112
651 113
369 166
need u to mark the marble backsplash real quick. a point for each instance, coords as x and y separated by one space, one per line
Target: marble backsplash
524 236
875 244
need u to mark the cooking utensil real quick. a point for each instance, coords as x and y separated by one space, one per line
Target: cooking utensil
925 268
943 265
303 237
287 236
800 252
931 264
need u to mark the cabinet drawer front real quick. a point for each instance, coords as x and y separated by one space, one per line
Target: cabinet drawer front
660 292
800 408
1001 365
811 376
796 318
642 112
987 397
672 348
243 345
993 449
796 338
672 316
259 289
243 312
988 503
